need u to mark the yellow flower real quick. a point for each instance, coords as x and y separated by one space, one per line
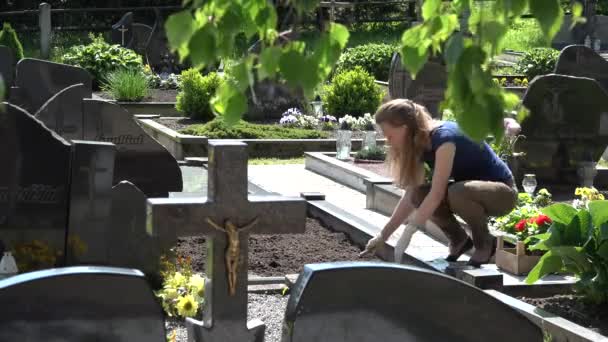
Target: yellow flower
197 285
178 280
600 197
170 293
187 306
578 191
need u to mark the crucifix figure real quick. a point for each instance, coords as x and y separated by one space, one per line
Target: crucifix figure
226 216
232 252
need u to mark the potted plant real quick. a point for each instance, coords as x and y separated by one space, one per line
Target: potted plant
372 155
344 135
366 124
518 228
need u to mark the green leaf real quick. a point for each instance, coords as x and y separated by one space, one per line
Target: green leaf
339 33
229 102
202 47
599 212
549 15
492 33
573 255
560 212
603 251
179 27
577 12
430 8
414 52
453 48
548 263
579 229
269 61
602 232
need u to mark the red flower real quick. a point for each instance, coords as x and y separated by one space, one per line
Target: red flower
521 225
542 219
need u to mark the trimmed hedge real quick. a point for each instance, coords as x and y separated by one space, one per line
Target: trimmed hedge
217 129
373 58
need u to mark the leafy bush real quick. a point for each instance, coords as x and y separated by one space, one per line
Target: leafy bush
8 38
217 129
196 93
353 92
373 58
126 85
538 61
577 243
100 58
372 153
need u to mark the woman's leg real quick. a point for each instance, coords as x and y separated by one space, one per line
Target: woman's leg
474 201
444 218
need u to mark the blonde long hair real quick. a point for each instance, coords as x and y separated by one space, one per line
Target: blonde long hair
405 162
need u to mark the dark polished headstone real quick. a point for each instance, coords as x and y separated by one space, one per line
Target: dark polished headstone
38 80
568 124
427 89
63 112
34 187
77 304
366 301
88 239
140 159
227 216
7 66
129 244
122 31
581 61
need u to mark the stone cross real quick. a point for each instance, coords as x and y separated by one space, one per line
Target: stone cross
227 216
122 30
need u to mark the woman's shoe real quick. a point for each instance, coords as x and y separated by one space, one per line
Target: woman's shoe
467 245
477 264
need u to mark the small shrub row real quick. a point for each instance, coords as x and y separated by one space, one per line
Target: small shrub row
217 129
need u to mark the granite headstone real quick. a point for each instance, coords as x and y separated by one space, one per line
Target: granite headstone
38 80
427 89
567 125
129 244
7 66
63 112
34 188
367 301
581 61
140 159
77 304
122 31
227 216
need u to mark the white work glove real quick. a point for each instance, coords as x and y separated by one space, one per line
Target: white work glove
404 240
372 245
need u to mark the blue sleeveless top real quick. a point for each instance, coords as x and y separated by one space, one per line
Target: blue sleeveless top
472 161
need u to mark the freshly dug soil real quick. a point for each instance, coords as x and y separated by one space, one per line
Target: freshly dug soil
574 309
177 124
154 95
278 255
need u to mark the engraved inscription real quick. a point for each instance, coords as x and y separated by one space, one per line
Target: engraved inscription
35 193
125 139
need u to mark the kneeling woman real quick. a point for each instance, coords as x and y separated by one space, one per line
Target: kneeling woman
482 183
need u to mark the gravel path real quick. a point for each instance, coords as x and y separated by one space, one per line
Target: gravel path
268 308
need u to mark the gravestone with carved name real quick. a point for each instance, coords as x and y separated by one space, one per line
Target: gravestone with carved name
140 159
39 80
567 126
581 61
48 185
368 301
427 89
57 202
76 304
228 215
